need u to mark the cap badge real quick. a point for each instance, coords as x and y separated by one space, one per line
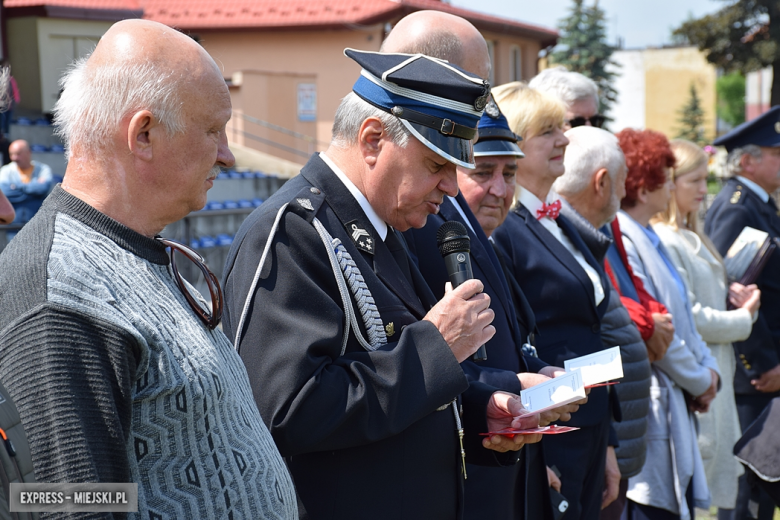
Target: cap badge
491 109
480 102
305 203
361 238
777 127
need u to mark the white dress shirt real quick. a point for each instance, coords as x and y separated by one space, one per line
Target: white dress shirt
378 223
755 188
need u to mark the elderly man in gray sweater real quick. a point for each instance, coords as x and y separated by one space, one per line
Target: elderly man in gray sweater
114 361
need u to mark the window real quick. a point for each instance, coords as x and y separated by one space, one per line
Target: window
515 63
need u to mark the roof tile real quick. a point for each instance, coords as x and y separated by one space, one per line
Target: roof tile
132 5
215 14
258 14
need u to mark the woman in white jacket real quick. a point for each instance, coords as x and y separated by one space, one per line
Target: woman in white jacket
701 268
672 481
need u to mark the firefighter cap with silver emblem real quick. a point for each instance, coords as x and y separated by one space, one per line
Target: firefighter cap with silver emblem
439 103
761 131
495 137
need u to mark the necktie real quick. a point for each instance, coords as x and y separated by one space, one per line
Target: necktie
398 251
772 203
551 210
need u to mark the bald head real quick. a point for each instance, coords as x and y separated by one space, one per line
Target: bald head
138 64
19 152
143 120
441 35
131 42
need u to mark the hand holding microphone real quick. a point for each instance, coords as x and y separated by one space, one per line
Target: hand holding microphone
463 316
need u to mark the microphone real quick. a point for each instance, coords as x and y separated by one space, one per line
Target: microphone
455 245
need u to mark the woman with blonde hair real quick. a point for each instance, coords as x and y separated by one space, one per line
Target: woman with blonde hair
701 268
564 284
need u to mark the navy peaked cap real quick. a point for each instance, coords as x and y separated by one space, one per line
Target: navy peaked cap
761 131
495 136
439 103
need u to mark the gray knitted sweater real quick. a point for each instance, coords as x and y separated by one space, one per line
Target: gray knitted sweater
117 380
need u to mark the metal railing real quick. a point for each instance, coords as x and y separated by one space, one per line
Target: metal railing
311 143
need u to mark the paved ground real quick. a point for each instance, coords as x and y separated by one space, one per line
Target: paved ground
701 514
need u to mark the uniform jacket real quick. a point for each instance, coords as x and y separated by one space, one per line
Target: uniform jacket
497 493
561 295
735 207
673 457
759 449
617 329
360 431
705 278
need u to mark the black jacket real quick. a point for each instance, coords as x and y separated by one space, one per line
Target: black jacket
735 207
561 295
360 431
498 493
617 329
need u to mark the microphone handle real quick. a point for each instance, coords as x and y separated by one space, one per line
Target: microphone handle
459 269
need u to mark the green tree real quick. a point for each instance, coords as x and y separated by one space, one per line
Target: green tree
742 36
731 98
583 48
691 119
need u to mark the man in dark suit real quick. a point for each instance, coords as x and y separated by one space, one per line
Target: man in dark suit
506 493
745 200
353 364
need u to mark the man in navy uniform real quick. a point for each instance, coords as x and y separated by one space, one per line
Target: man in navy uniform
354 366
745 200
500 493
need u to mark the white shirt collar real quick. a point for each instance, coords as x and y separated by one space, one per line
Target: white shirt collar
462 213
532 202
758 190
378 223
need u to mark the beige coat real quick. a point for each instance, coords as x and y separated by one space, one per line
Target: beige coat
705 279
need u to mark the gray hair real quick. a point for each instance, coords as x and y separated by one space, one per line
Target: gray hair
589 150
734 159
353 111
567 86
94 101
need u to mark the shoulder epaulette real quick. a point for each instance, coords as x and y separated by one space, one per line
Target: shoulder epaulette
737 195
306 203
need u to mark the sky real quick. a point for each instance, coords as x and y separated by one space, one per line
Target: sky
640 23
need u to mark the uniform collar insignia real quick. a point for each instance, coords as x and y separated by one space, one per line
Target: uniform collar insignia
362 238
305 203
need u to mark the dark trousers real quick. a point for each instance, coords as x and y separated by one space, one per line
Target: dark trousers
636 511
581 457
752 500
615 510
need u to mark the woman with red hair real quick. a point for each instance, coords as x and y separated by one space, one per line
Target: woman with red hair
685 380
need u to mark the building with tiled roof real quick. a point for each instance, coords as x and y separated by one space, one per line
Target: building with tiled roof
334 14
282 58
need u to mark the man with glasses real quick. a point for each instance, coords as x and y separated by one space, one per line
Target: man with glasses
113 360
579 93
354 365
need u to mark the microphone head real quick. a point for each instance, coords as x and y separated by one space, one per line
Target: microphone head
452 237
